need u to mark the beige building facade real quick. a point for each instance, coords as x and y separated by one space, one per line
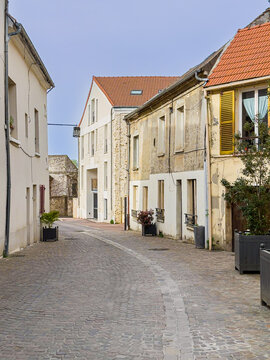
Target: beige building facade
103 143
28 83
167 164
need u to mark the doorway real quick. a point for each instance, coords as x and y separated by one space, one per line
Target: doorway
95 205
35 213
28 215
179 209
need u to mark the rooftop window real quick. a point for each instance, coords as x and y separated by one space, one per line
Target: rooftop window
136 92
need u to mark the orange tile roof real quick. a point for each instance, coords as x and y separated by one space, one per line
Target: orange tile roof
117 89
246 57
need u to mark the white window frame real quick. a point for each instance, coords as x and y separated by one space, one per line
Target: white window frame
256 107
136 163
177 111
161 137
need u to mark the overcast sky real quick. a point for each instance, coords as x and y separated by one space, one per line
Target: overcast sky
80 38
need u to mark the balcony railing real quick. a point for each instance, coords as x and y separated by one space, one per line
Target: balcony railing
190 219
160 214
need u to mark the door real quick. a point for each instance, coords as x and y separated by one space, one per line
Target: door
179 209
95 205
35 213
28 215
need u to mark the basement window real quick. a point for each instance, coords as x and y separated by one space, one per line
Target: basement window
136 92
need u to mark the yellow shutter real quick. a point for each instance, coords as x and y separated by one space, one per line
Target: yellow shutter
227 123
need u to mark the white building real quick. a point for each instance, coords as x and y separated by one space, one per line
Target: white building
28 83
3 173
103 150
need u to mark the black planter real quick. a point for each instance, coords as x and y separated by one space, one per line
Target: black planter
199 237
149 230
265 277
50 234
247 251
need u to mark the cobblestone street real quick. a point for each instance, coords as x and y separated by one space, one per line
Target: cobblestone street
102 293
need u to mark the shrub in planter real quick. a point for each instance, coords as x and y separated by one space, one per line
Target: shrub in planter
265 278
251 192
145 218
49 232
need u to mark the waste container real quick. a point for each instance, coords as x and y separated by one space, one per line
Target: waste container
199 237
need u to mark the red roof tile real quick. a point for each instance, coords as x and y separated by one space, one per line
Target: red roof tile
246 57
118 89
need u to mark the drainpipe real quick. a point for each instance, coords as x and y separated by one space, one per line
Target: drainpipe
111 161
207 167
7 127
128 175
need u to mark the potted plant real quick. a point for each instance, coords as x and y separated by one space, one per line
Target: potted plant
145 218
251 192
265 278
49 232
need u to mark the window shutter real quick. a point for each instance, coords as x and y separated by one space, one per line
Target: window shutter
227 122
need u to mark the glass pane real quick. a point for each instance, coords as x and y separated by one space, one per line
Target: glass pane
248 113
263 106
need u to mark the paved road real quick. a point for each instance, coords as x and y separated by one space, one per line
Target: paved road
101 293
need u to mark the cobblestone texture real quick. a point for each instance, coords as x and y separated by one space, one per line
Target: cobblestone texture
87 298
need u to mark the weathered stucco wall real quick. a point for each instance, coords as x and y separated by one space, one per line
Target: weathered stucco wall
29 169
176 168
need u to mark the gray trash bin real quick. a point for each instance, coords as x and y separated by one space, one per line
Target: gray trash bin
199 237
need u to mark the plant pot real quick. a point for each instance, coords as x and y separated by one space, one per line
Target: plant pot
265 276
247 251
149 230
199 237
50 234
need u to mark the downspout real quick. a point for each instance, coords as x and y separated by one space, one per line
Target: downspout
128 176
7 127
207 168
111 161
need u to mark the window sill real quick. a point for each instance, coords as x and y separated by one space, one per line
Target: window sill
37 154
179 151
135 169
161 154
191 228
14 141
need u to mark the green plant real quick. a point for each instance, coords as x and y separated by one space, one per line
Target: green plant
112 222
11 122
49 218
145 217
160 234
251 190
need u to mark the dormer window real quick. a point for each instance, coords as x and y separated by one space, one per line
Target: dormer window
136 92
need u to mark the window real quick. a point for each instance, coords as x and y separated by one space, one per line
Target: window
93 111
105 209
105 139
180 129
89 115
105 175
89 143
191 217
136 152
161 136
136 92
96 143
36 131
96 110
92 143
135 197
12 108
145 198
74 189
254 110
26 125
161 194
82 147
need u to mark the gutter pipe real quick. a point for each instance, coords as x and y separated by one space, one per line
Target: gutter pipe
128 176
111 161
7 127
